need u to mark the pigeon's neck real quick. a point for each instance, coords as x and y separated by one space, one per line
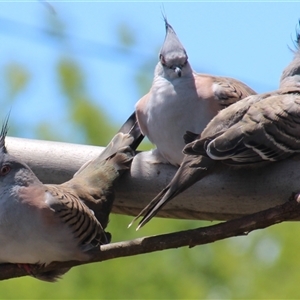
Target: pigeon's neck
25 177
292 72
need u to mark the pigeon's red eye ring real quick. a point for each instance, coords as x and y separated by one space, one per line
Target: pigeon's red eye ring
4 170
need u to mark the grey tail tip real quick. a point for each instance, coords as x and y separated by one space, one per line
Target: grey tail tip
144 221
134 219
130 224
138 227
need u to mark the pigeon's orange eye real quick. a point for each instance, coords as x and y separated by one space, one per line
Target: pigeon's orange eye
4 170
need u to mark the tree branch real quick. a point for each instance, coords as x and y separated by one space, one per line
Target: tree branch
224 195
241 226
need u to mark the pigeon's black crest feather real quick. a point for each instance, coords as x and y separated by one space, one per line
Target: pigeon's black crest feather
3 134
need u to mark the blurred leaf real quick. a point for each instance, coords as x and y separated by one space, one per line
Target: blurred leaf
125 35
16 78
82 110
70 78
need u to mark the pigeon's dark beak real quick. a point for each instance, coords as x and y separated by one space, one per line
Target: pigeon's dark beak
178 71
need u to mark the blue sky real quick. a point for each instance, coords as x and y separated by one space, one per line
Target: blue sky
245 40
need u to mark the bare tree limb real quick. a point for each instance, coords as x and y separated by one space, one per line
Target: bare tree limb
224 195
241 226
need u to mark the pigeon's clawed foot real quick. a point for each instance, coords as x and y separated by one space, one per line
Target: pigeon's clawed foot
30 268
36 271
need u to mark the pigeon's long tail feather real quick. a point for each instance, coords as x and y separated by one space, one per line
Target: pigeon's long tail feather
131 127
129 135
193 168
97 177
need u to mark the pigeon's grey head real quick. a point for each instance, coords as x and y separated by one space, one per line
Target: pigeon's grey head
172 54
13 172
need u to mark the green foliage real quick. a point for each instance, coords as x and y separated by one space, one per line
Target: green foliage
125 35
262 265
16 79
80 107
